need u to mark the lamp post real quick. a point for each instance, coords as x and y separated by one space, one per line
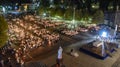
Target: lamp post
103 37
73 21
103 48
115 31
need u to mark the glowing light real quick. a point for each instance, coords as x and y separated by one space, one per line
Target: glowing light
73 21
93 6
16 7
25 7
3 9
104 34
44 14
58 17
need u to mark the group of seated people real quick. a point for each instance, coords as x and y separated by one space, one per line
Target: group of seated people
7 56
75 31
70 32
42 21
28 34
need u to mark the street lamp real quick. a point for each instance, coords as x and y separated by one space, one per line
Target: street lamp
3 8
103 36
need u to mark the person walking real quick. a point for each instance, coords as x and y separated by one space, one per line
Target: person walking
59 57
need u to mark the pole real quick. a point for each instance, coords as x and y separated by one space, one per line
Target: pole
73 21
74 14
115 31
103 49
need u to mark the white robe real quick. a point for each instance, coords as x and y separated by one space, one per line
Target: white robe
60 53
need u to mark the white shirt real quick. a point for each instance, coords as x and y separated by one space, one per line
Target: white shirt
60 53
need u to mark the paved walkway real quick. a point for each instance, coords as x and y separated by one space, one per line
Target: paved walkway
117 63
85 60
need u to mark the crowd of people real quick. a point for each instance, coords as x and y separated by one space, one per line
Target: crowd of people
72 32
7 57
28 33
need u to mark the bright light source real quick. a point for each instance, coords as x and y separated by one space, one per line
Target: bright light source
73 21
44 14
16 7
3 9
93 6
104 34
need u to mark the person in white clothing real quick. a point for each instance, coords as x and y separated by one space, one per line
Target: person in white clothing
59 57
60 53
73 53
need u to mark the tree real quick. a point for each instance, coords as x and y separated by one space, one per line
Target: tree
52 12
68 14
45 3
88 5
3 31
98 17
103 4
59 12
41 10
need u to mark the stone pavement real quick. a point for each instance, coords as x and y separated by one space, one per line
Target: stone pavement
85 60
35 64
117 63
